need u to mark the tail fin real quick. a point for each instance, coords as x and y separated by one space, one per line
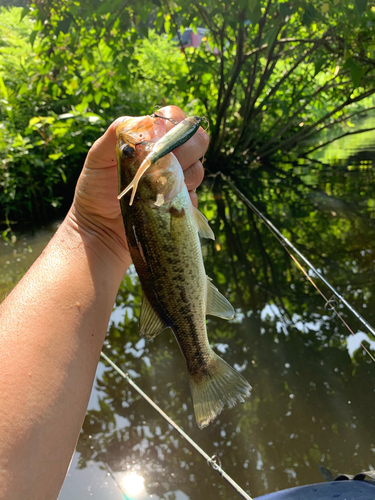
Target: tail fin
221 385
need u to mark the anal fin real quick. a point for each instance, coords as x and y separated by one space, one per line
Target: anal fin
150 323
216 303
203 227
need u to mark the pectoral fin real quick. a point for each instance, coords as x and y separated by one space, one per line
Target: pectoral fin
217 304
150 323
201 222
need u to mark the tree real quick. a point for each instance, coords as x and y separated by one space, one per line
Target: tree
283 72
270 76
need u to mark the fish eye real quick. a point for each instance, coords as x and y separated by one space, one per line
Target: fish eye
127 151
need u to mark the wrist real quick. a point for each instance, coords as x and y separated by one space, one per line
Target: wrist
101 241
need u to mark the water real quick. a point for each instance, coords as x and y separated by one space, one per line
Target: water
313 386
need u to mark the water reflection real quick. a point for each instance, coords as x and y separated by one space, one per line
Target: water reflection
311 392
17 256
133 484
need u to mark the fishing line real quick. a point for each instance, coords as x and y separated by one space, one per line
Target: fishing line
153 114
286 243
213 461
329 305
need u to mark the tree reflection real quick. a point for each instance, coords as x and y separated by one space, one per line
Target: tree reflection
311 402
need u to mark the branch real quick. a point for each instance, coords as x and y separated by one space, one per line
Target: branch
317 43
206 19
235 72
252 75
179 36
301 108
299 136
222 59
265 75
122 8
339 137
264 78
282 41
339 120
284 77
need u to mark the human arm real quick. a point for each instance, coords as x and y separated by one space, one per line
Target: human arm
53 324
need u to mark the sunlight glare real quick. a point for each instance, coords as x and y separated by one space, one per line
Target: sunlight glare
133 483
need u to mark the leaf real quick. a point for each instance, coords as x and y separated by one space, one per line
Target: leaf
310 14
105 7
97 97
5 234
286 10
32 37
143 30
206 77
360 6
33 121
23 89
63 26
271 36
62 173
356 71
39 87
3 89
24 12
252 4
319 64
167 23
55 156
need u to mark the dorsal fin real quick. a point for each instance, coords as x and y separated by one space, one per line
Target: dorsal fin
216 303
150 323
201 222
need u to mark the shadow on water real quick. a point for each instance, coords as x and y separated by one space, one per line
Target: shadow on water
313 386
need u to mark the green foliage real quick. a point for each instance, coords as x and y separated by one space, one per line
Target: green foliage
51 115
41 147
268 75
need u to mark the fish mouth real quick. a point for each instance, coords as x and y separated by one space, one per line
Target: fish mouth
135 130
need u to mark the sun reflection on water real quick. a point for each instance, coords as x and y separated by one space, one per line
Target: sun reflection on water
133 484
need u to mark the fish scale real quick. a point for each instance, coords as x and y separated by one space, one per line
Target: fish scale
168 266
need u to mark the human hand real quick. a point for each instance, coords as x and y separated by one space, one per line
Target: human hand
96 208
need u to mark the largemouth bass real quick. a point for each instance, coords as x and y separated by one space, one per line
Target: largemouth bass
162 229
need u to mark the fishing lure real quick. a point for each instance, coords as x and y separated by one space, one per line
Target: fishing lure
177 136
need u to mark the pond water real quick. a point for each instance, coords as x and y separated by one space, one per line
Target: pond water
312 402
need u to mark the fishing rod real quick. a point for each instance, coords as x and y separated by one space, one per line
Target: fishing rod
213 461
286 243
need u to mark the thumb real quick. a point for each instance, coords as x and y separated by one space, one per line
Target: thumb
102 153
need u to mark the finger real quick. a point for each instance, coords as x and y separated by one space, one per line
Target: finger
194 148
194 175
194 198
173 112
103 152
